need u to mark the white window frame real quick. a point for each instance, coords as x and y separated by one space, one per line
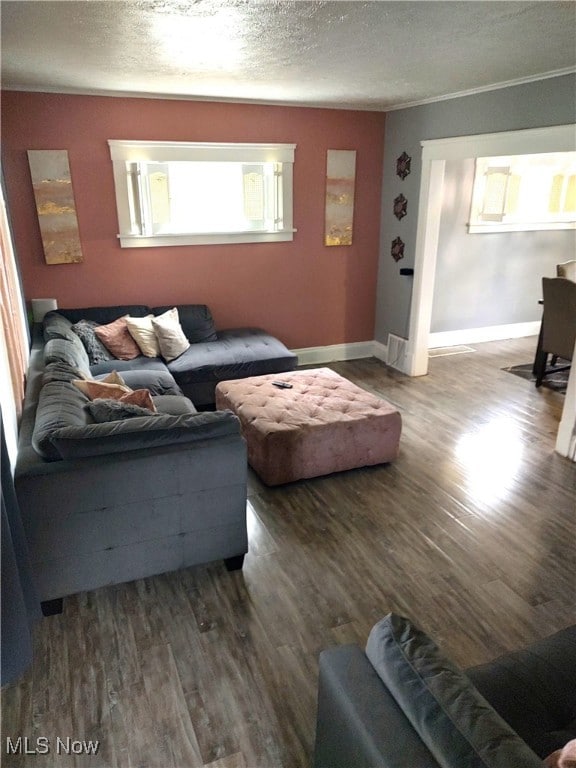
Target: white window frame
123 152
504 221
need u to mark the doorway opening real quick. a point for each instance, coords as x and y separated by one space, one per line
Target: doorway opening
435 154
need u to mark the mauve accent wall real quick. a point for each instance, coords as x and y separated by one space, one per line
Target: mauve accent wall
306 293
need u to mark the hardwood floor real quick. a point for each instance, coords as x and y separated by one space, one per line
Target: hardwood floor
471 532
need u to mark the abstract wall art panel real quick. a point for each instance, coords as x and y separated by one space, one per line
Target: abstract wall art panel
340 180
55 205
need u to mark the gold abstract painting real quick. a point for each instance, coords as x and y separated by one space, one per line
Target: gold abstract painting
340 182
55 205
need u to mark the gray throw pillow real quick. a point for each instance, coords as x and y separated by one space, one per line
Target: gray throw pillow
105 409
97 352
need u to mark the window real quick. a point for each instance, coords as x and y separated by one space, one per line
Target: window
189 193
524 192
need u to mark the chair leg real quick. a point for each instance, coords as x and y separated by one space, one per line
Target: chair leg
540 366
538 352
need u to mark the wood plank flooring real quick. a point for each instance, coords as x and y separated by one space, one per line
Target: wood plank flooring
471 532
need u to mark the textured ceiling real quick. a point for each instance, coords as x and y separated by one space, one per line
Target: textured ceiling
361 55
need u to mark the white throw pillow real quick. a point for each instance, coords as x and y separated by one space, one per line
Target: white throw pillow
171 338
143 333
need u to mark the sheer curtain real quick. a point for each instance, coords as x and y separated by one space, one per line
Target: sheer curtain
19 601
12 312
20 604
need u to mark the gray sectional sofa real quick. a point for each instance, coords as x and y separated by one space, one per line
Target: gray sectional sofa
213 355
104 503
403 704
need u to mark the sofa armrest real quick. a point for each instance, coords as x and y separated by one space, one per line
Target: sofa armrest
142 432
359 723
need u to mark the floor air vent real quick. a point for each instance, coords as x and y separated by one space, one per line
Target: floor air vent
444 351
396 355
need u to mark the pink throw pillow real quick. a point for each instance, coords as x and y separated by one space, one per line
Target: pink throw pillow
94 389
117 339
141 397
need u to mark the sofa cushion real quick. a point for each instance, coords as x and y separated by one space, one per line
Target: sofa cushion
171 338
58 371
237 353
149 432
143 333
173 405
71 352
137 364
117 339
456 723
56 326
97 352
158 382
60 404
104 315
543 675
195 319
103 410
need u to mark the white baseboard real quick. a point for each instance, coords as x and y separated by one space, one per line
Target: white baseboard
380 350
334 353
356 350
489 333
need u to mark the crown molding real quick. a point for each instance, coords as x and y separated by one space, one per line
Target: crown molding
382 107
486 88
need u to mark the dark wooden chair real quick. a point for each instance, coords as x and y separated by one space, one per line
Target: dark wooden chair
558 333
567 269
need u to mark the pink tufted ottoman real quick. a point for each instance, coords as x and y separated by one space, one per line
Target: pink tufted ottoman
323 424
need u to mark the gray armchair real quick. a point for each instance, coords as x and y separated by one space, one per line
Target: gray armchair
558 333
403 704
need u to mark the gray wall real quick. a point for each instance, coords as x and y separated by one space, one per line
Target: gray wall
533 105
493 279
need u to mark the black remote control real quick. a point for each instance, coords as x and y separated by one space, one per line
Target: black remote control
282 384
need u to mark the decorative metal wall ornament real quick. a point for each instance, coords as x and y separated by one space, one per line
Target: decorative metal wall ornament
400 207
397 249
403 165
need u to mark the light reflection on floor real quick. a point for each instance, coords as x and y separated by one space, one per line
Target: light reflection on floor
490 457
